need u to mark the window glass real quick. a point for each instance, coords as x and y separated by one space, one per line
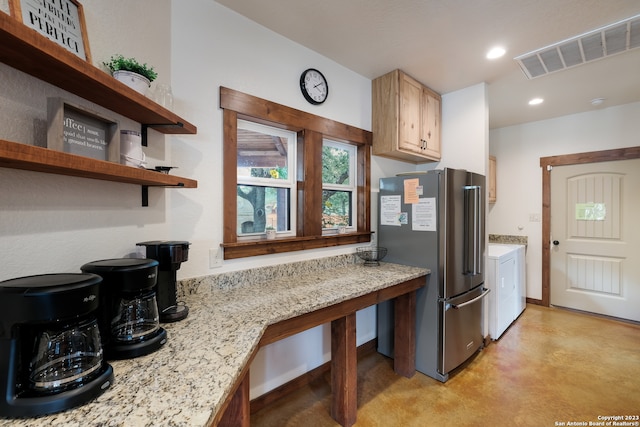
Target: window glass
261 208
338 184
336 208
336 163
263 151
265 171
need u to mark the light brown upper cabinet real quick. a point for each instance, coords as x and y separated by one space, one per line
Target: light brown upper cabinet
492 179
405 119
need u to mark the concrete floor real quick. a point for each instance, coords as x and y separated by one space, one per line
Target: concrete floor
552 366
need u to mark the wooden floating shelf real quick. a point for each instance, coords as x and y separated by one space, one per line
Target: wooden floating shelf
26 50
27 157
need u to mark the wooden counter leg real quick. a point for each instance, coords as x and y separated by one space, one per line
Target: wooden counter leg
344 374
405 335
237 413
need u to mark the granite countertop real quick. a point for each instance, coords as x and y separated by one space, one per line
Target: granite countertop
186 382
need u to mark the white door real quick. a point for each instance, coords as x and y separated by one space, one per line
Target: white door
595 249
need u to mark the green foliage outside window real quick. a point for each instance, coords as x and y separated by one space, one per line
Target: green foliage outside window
336 205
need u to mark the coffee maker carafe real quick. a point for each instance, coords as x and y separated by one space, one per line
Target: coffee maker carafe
51 356
128 317
170 255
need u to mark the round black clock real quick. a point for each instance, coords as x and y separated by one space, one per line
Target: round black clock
314 86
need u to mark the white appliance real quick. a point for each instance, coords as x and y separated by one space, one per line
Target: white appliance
506 277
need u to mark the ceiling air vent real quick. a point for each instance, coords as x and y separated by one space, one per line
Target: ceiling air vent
606 41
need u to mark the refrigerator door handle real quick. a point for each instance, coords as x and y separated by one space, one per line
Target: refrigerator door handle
471 301
473 232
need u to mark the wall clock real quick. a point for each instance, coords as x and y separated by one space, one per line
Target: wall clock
314 86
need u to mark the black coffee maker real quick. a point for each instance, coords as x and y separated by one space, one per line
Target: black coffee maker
170 255
51 356
128 317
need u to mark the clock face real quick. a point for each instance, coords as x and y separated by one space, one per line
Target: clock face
314 86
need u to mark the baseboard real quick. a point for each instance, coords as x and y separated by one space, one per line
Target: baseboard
260 402
534 301
601 316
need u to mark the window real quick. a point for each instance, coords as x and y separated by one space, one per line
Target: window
266 180
304 175
338 185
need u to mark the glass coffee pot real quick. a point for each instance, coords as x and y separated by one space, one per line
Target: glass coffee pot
65 357
129 320
136 318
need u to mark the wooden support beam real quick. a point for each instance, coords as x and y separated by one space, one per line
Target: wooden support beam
344 370
404 362
237 413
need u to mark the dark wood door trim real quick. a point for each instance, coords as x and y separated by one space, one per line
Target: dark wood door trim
547 163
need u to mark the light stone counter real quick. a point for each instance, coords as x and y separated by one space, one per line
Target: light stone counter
186 382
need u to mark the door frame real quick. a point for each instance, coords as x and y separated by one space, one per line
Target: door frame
547 163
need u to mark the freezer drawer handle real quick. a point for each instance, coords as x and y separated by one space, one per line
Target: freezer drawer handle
479 297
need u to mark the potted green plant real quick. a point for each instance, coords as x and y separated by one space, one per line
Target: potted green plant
130 72
271 232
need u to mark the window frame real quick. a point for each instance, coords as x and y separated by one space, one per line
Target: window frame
311 130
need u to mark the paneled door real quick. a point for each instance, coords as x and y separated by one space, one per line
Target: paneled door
595 234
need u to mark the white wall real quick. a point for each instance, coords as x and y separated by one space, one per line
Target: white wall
465 130
518 150
54 223
235 52
51 223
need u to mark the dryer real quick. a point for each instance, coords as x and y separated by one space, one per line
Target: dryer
506 279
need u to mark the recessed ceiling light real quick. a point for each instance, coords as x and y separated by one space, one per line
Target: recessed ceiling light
496 52
596 101
536 101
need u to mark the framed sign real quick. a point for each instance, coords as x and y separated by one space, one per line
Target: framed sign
61 21
76 130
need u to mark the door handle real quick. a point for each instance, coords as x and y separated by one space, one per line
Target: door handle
479 297
556 243
473 230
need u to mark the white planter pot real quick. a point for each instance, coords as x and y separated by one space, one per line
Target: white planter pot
134 81
271 234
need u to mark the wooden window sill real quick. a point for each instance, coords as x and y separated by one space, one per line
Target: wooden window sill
248 248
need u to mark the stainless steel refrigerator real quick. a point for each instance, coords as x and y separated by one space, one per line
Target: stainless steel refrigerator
436 220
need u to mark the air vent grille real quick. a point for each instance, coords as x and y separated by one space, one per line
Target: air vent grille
610 40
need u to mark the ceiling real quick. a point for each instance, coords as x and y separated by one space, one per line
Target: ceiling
442 43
